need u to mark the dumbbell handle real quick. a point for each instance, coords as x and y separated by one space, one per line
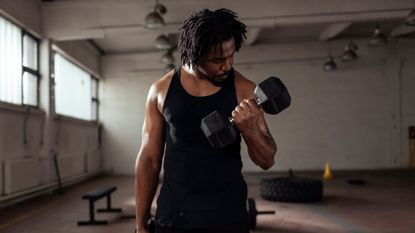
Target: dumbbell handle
266 212
231 119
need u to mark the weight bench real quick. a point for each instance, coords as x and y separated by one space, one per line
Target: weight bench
94 195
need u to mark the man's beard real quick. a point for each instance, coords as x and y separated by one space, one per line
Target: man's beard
219 81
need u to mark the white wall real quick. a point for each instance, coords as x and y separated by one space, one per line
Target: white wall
124 92
355 117
123 103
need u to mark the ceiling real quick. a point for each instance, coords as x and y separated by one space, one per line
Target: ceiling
116 26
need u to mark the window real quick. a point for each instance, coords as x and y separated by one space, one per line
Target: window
76 91
10 62
19 74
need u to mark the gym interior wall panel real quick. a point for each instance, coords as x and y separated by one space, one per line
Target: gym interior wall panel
66 164
123 105
340 117
1 180
93 161
75 138
20 175
133 65
408 104
11 135
47 171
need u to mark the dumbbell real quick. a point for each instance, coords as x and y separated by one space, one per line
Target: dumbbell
151 226
271 95
253 212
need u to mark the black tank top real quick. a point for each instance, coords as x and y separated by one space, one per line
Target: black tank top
202 187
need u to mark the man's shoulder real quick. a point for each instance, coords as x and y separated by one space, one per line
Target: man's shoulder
161 85
244 86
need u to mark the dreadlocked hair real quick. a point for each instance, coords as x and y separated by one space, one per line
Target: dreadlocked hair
205 29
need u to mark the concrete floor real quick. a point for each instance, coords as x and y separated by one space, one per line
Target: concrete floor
386 204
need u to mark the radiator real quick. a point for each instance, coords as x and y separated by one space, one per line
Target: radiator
20 174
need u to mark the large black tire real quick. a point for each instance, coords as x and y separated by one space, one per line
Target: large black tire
292 189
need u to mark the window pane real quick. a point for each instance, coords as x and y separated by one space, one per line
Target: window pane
94 113
72 89
29 89
30 52
94 88
10 62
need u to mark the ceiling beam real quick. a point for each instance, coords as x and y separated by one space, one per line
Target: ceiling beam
402 30
334 30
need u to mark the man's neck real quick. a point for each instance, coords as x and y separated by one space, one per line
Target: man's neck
194 72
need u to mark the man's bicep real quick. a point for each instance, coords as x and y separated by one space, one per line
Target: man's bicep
153 130
245 88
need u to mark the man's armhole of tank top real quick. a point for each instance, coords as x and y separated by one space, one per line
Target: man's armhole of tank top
244 87
162 86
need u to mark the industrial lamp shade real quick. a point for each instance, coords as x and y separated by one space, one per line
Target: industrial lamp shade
154 21
329 65
410 19
349 53
353 46
167 58
378 39
163 42
161 9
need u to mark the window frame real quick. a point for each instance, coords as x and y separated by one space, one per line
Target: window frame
29 70
96 99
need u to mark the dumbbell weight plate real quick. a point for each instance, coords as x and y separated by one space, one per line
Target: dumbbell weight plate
218 132
272 95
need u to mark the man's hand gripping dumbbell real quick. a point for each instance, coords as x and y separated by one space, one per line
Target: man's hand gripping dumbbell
271 95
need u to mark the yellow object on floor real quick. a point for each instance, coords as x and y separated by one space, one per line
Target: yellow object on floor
327 172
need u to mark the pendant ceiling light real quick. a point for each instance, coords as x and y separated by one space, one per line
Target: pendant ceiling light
163 42
349 53
167 57
329 65
353 46
154 19
378 38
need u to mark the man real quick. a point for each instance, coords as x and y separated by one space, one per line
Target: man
203 189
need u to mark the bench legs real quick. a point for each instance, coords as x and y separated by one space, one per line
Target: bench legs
109 208
92 220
